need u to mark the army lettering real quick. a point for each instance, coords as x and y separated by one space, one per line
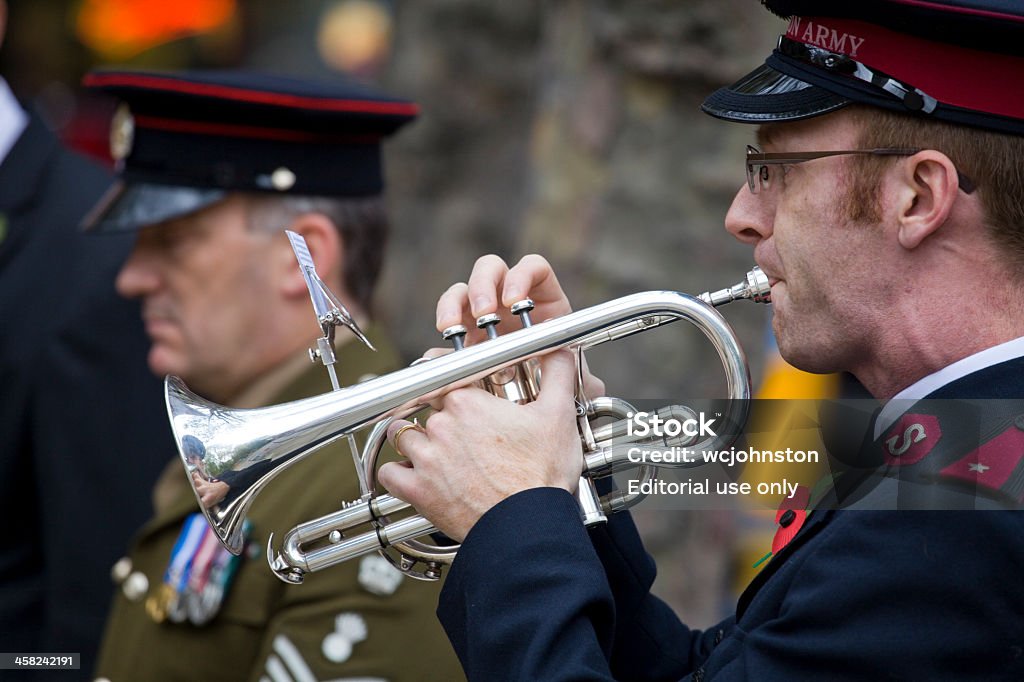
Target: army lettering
819 35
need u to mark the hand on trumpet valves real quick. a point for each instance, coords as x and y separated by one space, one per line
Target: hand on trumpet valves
479 449
493 287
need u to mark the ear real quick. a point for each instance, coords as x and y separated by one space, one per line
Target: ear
928 188
325 246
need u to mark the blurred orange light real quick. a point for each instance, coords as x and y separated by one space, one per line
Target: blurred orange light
118 29
355 36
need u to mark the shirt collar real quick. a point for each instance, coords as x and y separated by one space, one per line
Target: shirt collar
905 399
13 119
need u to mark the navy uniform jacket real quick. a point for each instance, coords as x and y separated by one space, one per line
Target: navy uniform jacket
857 595
83 429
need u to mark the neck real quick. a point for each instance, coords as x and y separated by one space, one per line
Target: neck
938 321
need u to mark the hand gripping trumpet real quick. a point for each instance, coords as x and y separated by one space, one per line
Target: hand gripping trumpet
257 444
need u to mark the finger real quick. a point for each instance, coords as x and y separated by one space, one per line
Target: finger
432 353
406 438
485 283
558 379
399 479
452 306
532 277
592 386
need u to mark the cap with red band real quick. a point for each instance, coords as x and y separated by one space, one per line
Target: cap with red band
961 62
183 140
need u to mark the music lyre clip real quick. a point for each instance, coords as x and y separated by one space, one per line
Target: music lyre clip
330 312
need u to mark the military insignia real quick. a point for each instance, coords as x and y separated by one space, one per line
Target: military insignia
200 601
282 179
911 439
178 570
349 630
120 571
378 576
122 133
996 464
197 577
135 586
287 663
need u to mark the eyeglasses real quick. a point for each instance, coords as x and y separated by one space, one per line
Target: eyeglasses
759 178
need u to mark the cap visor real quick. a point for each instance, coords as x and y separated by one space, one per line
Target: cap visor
766 95
133 206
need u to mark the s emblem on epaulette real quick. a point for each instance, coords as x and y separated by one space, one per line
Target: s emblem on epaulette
378 576
911 439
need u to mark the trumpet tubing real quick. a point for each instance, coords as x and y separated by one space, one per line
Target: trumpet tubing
214 440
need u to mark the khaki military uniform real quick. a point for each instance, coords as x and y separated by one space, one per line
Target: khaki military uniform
360 620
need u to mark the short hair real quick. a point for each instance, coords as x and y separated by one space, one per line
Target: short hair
361 222
993 161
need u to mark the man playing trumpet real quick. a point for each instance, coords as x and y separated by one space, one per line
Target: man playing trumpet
884 202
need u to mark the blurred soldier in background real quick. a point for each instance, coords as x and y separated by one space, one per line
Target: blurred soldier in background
83 430
214 166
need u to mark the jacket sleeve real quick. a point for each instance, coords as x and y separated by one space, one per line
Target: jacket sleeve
529 598
651 643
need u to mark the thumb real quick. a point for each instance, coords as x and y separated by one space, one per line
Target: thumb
558 378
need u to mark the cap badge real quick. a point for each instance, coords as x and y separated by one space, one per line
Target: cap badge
282 179
122 133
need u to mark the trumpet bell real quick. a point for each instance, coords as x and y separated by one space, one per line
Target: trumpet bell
230 454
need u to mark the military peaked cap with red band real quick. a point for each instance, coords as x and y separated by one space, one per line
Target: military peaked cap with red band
960 61
183 140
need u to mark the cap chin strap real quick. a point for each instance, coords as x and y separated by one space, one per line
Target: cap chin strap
912 98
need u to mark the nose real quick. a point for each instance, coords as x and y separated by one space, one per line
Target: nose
751 217
139 274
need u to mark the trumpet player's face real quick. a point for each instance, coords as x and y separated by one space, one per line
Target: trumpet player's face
814 255
206 297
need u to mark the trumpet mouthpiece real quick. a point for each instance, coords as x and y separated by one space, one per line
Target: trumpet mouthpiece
754 287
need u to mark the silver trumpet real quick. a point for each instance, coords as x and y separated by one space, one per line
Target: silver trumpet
254 445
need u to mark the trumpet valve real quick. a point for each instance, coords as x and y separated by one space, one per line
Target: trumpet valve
456 334
489 324
522 309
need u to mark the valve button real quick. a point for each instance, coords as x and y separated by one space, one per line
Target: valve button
456 334
488 323
522 309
